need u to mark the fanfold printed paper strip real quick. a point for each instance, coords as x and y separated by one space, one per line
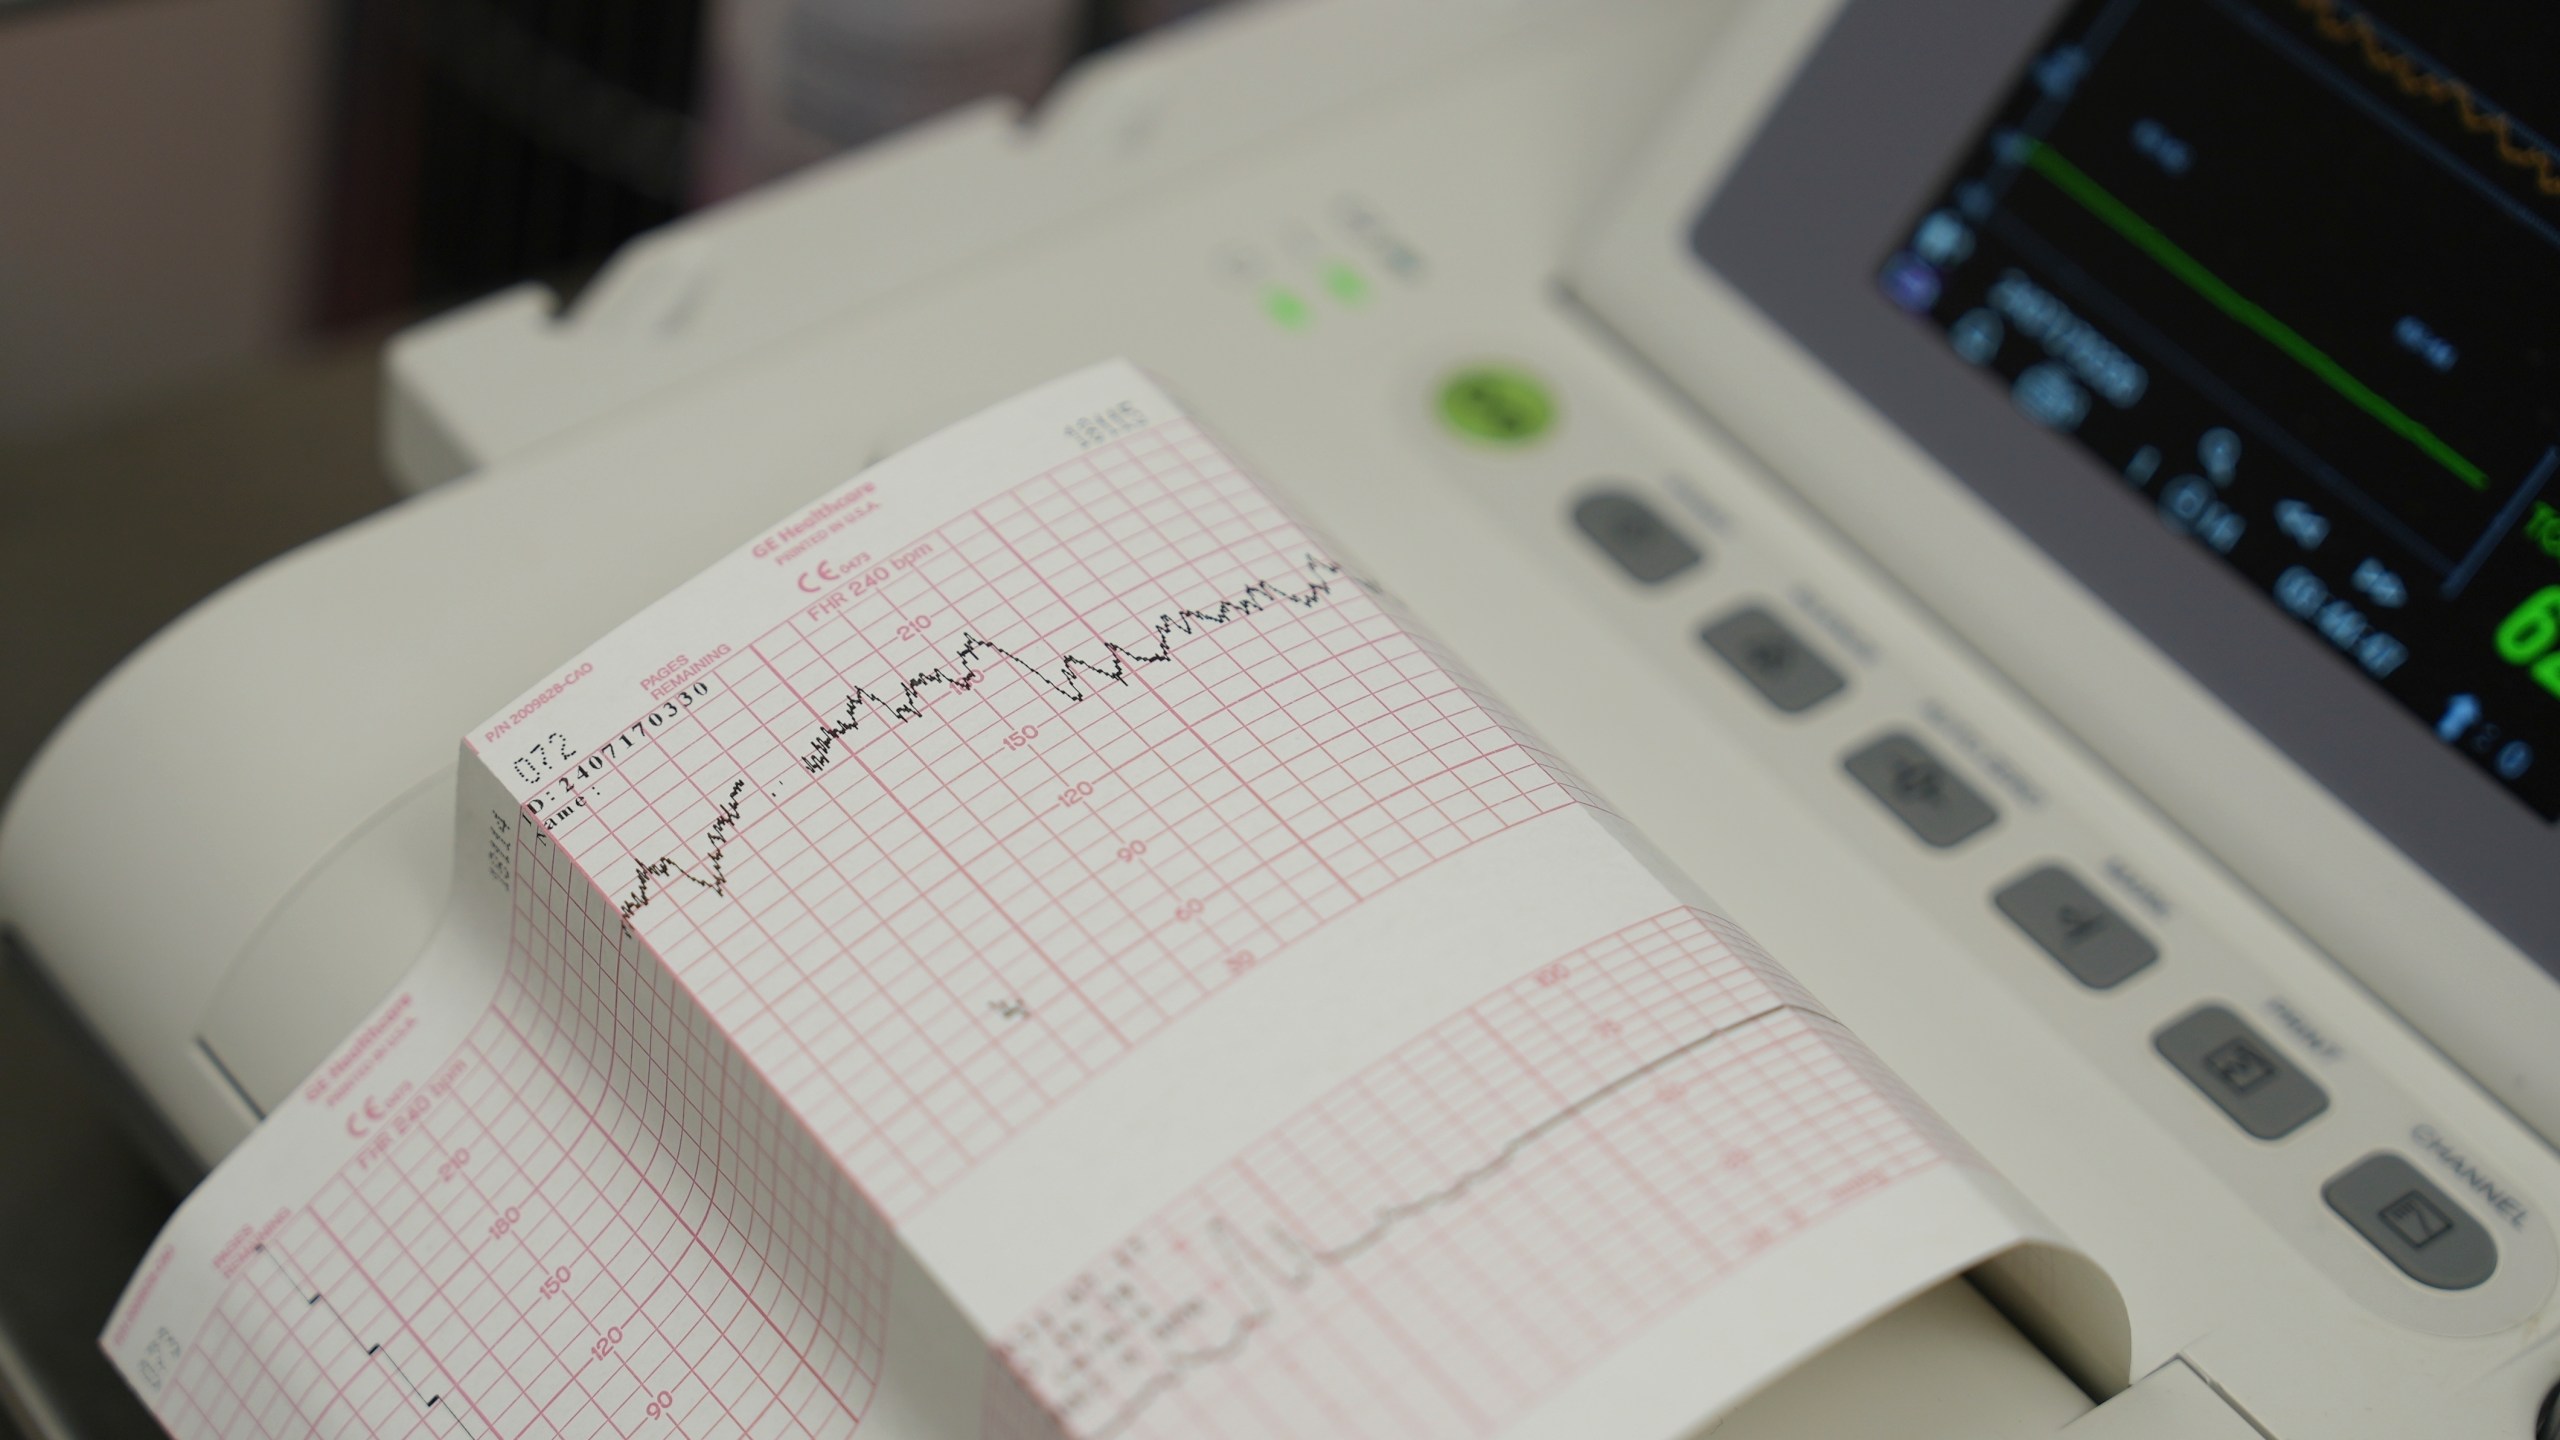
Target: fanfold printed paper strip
1035 946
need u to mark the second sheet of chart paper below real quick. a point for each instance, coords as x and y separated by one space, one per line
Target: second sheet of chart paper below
1044 865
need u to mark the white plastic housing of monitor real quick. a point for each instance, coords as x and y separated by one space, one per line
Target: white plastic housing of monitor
2468 990
427 613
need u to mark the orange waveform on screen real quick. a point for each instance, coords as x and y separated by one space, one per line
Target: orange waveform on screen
2343 26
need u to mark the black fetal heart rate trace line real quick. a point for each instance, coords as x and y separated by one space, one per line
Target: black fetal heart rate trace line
429 1405
1068 679
645 875
1072 678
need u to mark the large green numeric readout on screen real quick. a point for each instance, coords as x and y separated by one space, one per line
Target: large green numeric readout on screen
2285 271
2530 635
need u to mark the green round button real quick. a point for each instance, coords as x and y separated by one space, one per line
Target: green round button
1498 405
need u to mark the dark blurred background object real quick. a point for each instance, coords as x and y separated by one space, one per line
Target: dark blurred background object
211 214
478 142
194 185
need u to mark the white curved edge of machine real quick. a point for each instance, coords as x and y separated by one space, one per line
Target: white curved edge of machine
2462 984
234 845
244 831
492 377
239 965
197 840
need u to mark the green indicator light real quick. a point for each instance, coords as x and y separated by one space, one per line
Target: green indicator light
1496 404
1286 309
1346 284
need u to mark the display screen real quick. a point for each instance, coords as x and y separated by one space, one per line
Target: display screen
2290 269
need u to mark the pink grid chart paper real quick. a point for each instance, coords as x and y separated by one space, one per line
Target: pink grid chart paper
924 842
591 1220
1043 782
1446 1238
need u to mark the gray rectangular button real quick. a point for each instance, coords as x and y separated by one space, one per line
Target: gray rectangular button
1642 542
2235 1067
2081 932
1920 790
2415 1225
1762 650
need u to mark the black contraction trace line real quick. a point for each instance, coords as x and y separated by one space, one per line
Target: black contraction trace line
1256 1271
